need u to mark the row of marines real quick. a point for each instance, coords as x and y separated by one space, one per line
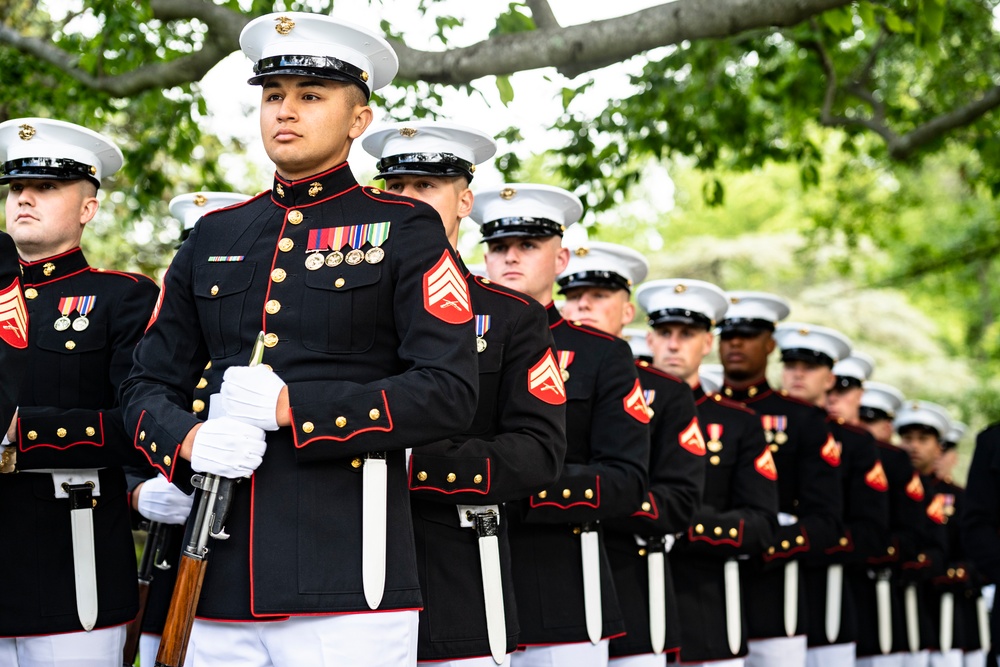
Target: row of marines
501 479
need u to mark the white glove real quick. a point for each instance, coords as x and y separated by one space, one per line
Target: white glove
159 500
251 395
228 448
785 519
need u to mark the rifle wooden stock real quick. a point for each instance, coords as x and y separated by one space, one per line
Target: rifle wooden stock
156 537
135 627
180 617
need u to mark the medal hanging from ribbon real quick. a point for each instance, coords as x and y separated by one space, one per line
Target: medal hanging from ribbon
714 437
767 421
83 306
66 306
319 240
338 238
356 235
565 358
377 234
780 426
482 326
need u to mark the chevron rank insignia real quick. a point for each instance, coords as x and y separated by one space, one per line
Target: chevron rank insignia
691 438
876 479
831 452
915 488
446 294
635 404
13 317
764 464
545 381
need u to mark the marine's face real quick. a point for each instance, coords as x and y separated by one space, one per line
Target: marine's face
46 217
308 124
844 403
678 348
527 264
606 309
923 446
744 356
450 196
807 381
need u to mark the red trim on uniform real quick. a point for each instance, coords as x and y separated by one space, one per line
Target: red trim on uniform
394 198
654 511
132 276
845 548
169 474
59 278
590 330
480 490
521 647
253 498
159 301
300 445
704 537
792 550
29 447
491 287
646 366
594 503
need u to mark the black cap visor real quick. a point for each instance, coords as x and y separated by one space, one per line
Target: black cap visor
680 316
604 279
424 164
320 67
57 169
844 382
744 327
869 414
814 357
516 227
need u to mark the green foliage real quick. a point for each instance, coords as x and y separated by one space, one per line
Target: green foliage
513 20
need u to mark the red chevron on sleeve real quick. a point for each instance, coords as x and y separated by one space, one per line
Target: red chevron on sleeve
13 317
764 464
635 404
446 294
691 438
876 479
545 381
831 452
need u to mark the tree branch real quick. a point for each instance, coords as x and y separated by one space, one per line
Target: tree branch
541 12
934 129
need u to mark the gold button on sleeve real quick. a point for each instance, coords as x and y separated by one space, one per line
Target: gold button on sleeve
646 506
90 430
588 494
61 432
785 544
421 476
543 494
341 422
843 541
699 529
733 533
197 405
770 551
152 447
142 436
799 540
718 530
642 552
451 477
374 414
166 460
478 479
202 383
308 427
920 557
891 551
32 435
567 493
357 463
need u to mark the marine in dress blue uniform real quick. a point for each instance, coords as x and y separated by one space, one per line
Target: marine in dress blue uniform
75 560
738 514
516 442
597 284
562 575
368 337
809 491
13 336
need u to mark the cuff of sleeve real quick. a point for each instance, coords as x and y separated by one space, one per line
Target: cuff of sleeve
648 509
574 493
60 434
363 413
718 534
161 449
845 544
788 547
445 474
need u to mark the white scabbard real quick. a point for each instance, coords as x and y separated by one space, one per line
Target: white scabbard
734 612
983 616
485 519
657 596
883 611
373 511
947 621
912 618
81 515
791 597
834 599
590 553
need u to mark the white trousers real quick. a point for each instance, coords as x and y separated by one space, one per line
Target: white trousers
734 662
835 655
583 654
468 662
974 658
918 659
97 648
149 646
777 652
644 660
952 658
891 660
380 639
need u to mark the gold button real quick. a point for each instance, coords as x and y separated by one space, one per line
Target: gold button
799 540
32 435
642 552
960 572
278 275
588 494
214 290
714 460
920 557
843 541
286 244
339 282
646 507
567 493
699 529
198 405
202 383
70 345
718 530
770 551
308 427
152 447
543 494
374 414
166 460
48 269
422 476
478 479
142 436
785 544
951 572
891 551
356 463
208 365
61 432
295 217
485 281
272 306
90 430
30 293
271 339
773 448
577 531
451 477
733 533
341 422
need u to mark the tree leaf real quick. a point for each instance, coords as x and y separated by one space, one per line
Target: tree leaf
506 89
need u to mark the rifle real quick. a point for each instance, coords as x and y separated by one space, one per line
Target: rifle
209 518
157 536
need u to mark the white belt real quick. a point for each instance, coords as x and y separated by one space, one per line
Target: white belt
734 611
485 519
883 610
791 597
947 621
912 619
80 486
373 510
834 598
590 554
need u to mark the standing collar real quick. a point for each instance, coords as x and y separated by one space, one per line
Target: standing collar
554 315
312 189
53 268
756 390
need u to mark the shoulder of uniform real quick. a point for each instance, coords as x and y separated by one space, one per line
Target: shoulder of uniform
133 277
783 393
853 428
646 367
220 212
991 431
578 326
506 292
380 195
732 405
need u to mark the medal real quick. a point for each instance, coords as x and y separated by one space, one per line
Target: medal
81 323
376 233
66 306
781 437
334 258
780 425
565 358
355 257
61 324
482 326
314 261
714 446
565 375
480 344
715 438
84 304
374 255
